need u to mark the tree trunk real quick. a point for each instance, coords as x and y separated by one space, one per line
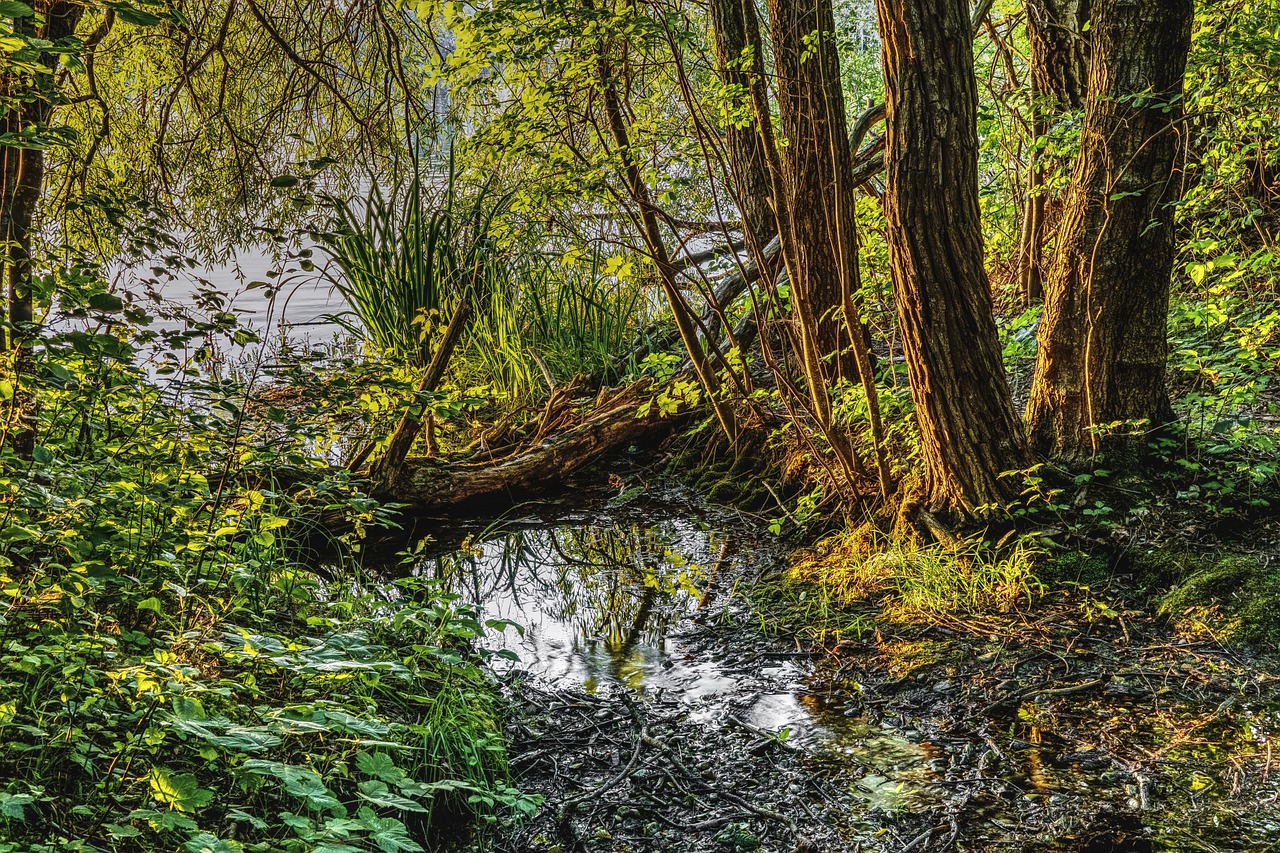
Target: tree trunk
740 55
969 433
27 104
1056 30
1103 343
817 180
1059 51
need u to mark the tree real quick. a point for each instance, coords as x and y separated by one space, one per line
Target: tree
814 200
1059 42
1099 381
969 432
740 55
28 94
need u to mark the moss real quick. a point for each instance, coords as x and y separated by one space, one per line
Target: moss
1234 598
1076 567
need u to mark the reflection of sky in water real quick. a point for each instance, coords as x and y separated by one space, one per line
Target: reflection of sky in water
601 608
596 604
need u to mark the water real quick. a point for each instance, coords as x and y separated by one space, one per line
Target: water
634 606
300 310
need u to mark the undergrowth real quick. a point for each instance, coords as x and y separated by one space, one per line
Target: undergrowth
172 677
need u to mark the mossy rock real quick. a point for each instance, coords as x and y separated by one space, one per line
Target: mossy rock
1235 598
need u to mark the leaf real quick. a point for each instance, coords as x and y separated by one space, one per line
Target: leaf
302 782
13 9
179 791
207 843
284 182
163 821
11 805
108 302
380 766
380 795
131 15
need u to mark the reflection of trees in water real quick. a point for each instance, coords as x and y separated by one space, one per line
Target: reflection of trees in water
613 587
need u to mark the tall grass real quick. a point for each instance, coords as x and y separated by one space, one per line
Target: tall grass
548 321
914 582
403 263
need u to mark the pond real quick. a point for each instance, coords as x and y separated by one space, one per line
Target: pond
636 638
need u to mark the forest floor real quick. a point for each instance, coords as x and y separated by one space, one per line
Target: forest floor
1086 722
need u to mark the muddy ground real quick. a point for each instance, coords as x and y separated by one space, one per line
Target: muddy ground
1085 725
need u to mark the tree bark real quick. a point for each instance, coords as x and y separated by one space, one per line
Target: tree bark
817 178
434 483
1056 30
740 55
1059 51
1103 342
969 432
27 104
814 199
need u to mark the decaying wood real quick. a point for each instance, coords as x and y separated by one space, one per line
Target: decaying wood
384 469
434 483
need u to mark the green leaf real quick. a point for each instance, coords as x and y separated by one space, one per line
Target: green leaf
108 302
132 15
380 766
380 795
13 9
163 821
207 843
284 182
179 791
11 805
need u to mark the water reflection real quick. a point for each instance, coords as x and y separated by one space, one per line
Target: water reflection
596 604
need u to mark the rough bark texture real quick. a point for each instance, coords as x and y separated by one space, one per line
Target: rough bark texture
1103 342
27 104
969 433
741 59
817 176
1059 50
434 483
1056 30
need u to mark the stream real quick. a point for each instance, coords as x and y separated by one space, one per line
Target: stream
653 713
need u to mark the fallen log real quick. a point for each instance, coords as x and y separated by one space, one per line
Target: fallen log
428 484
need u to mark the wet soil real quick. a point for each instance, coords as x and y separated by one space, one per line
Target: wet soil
653 713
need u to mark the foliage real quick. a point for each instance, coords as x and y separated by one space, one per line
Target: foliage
917 582
551 318
404 263
171 676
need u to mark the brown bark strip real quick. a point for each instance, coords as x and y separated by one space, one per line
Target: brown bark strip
1103 343
969 432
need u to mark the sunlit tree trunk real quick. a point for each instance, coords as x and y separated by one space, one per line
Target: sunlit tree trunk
740 54
814 193
969 432
1103 342
1057 32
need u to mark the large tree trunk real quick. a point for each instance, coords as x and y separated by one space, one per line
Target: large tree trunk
1057 31
740 55
1103 342
969 432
